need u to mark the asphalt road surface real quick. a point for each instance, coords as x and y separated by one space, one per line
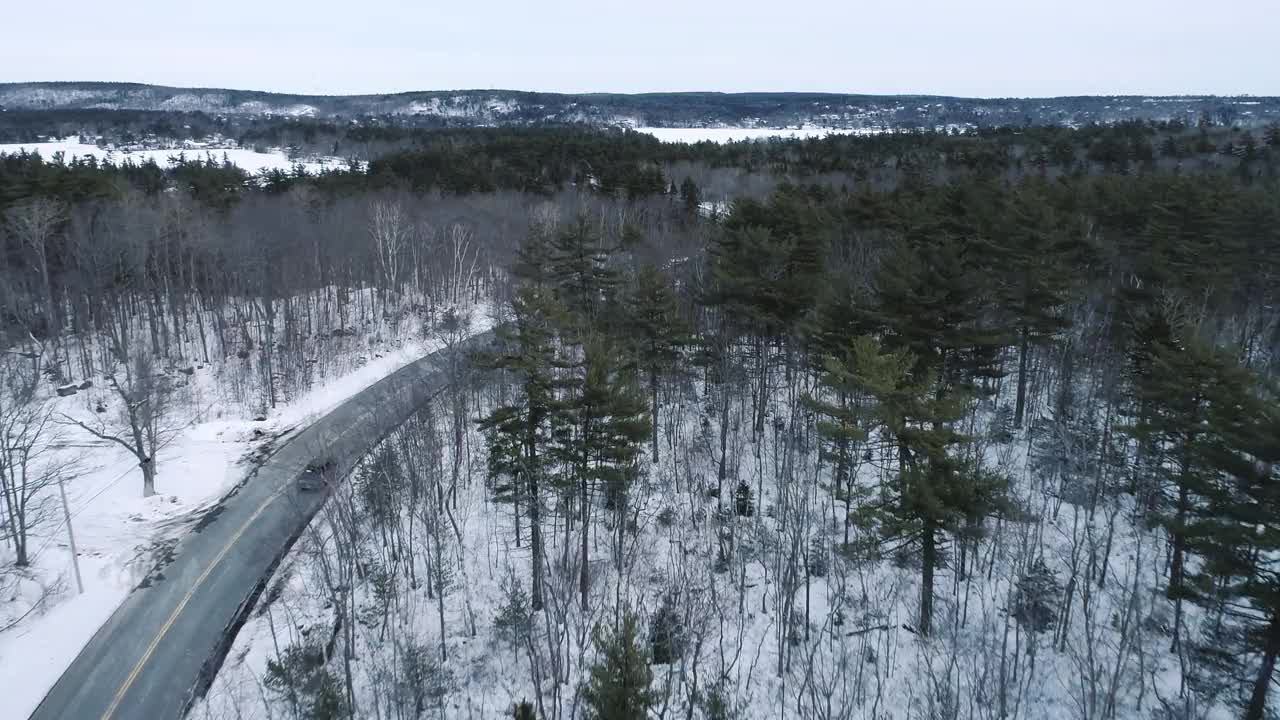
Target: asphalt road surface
167 639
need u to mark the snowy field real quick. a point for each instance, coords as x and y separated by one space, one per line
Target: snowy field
44 622
735 134
248 160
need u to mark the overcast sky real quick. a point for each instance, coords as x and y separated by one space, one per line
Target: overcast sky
948 47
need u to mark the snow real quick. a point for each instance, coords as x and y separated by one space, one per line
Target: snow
856 648
117 531
248 160
461 106
735 134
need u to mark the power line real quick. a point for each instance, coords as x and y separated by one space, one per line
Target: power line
86 505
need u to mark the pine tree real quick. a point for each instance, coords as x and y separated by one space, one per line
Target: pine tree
600 428
618 684
657 333
690 195
578 264
767 275
932 299
842 420
1033 263
519 433
533 259
1182 246
1234 528
931 309
1174 391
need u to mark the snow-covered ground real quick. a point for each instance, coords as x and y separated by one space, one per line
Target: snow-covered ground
44 622
734 134
853 651
246 159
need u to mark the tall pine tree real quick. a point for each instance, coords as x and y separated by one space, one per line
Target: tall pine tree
931 305
656 333
519 433
600 428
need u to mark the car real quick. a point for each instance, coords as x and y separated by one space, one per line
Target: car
317 474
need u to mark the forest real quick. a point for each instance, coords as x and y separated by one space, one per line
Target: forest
484 108
920 425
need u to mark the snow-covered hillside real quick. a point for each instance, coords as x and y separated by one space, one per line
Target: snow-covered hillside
676 109
248 160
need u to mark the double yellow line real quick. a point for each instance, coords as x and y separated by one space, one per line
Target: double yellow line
173 617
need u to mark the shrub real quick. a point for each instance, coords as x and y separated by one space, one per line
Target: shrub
744 501
618 685
818 560
300 675
667 517
1035 601
514 619
666 632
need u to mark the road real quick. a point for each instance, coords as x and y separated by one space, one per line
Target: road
164 643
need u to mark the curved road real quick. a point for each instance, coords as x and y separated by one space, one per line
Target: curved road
167 639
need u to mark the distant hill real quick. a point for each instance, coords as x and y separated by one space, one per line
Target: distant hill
687 109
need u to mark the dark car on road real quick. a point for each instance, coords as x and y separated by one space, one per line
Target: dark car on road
317 474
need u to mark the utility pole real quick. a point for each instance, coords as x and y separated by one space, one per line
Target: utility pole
75 557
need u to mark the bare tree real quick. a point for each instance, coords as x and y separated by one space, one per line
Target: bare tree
463 257
390 229
26 471
144 424
35 224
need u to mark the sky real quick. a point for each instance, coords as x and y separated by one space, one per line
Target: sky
983 48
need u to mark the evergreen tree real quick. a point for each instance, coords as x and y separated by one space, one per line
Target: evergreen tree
1034 262
841 420
931 306
1235 528
690 195
618 685
1174 392
764 284
533 259
933 299
578 265
657 332
600 428
519 433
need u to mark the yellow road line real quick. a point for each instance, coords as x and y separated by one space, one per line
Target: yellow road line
164 629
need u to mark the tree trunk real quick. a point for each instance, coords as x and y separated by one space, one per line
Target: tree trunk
761 400
584 581
844 482
928 560
1257 708
535 534
148 466
1020 408
444 652
653 391
1179 537
724 443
